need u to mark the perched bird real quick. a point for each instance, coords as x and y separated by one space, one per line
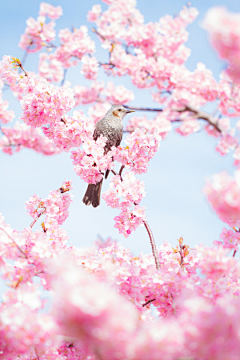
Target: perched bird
111 127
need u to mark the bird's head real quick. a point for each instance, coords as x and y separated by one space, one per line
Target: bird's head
119 111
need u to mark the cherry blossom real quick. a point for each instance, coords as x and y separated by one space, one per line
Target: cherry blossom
223 194
102 302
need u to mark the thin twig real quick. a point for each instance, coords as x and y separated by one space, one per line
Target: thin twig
120 172
24 57
149 231
107 64
96 32
148 302
40 214
181 255
64 77
114 172
142 108
14 243
199 114
21 67
234 253
152 242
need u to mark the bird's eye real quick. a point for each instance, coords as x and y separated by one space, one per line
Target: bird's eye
119 109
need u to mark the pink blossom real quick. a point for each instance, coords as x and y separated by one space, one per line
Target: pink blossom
90 67
50 11
188 127
46 103
50 68
223 192
22 135
21 329
74 43
224 31
36 33
70 131
55 207
137 153
229 239
118 94
94 13
92 320
85 95
92 162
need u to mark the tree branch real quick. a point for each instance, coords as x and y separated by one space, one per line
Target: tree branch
153 245
149 231
64 77
142 108
40 214
148 302
120 172
24 57
96 32
14 243
199 114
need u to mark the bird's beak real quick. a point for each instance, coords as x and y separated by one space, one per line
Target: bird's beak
129 111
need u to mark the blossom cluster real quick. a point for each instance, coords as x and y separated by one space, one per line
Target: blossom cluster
6 115
229 239
223 193
55 206
39 31
41 102
224 30
74 44
92 162
108 93
102 302
50 68
45 103
22 135
101 299
70 131
125 193
141 147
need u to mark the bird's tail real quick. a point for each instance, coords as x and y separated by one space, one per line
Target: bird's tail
93 193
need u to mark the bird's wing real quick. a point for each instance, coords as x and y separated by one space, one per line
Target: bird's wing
119 139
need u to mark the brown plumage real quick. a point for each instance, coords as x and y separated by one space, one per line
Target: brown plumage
111 127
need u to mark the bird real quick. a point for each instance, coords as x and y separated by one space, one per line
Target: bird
111 127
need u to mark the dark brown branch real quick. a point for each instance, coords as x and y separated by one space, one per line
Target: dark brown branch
181 255
14 243
199 114
234 253
120 171
153 245
148 302
142 108
21 67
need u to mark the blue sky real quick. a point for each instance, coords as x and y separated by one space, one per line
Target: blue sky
175 205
